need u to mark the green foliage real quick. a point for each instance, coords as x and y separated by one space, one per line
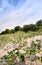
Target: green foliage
35 48
39 45
7 31
32 51
17 28
10 58
17 53
22 57
26 28
12 31
40 59
30 27
3 32
39 23
33 27
33 45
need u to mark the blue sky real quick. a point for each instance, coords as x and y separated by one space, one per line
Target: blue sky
19 12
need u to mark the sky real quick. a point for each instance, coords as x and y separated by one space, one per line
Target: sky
19 12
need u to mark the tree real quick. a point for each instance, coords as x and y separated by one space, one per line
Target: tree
26 28
7 31
17 28
12 31
39 23
3 32
33 27
30 27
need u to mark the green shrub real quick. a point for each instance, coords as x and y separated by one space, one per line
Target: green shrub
22 57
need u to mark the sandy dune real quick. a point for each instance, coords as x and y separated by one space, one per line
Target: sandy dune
10 46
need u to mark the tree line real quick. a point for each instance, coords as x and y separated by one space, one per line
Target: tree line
25 28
